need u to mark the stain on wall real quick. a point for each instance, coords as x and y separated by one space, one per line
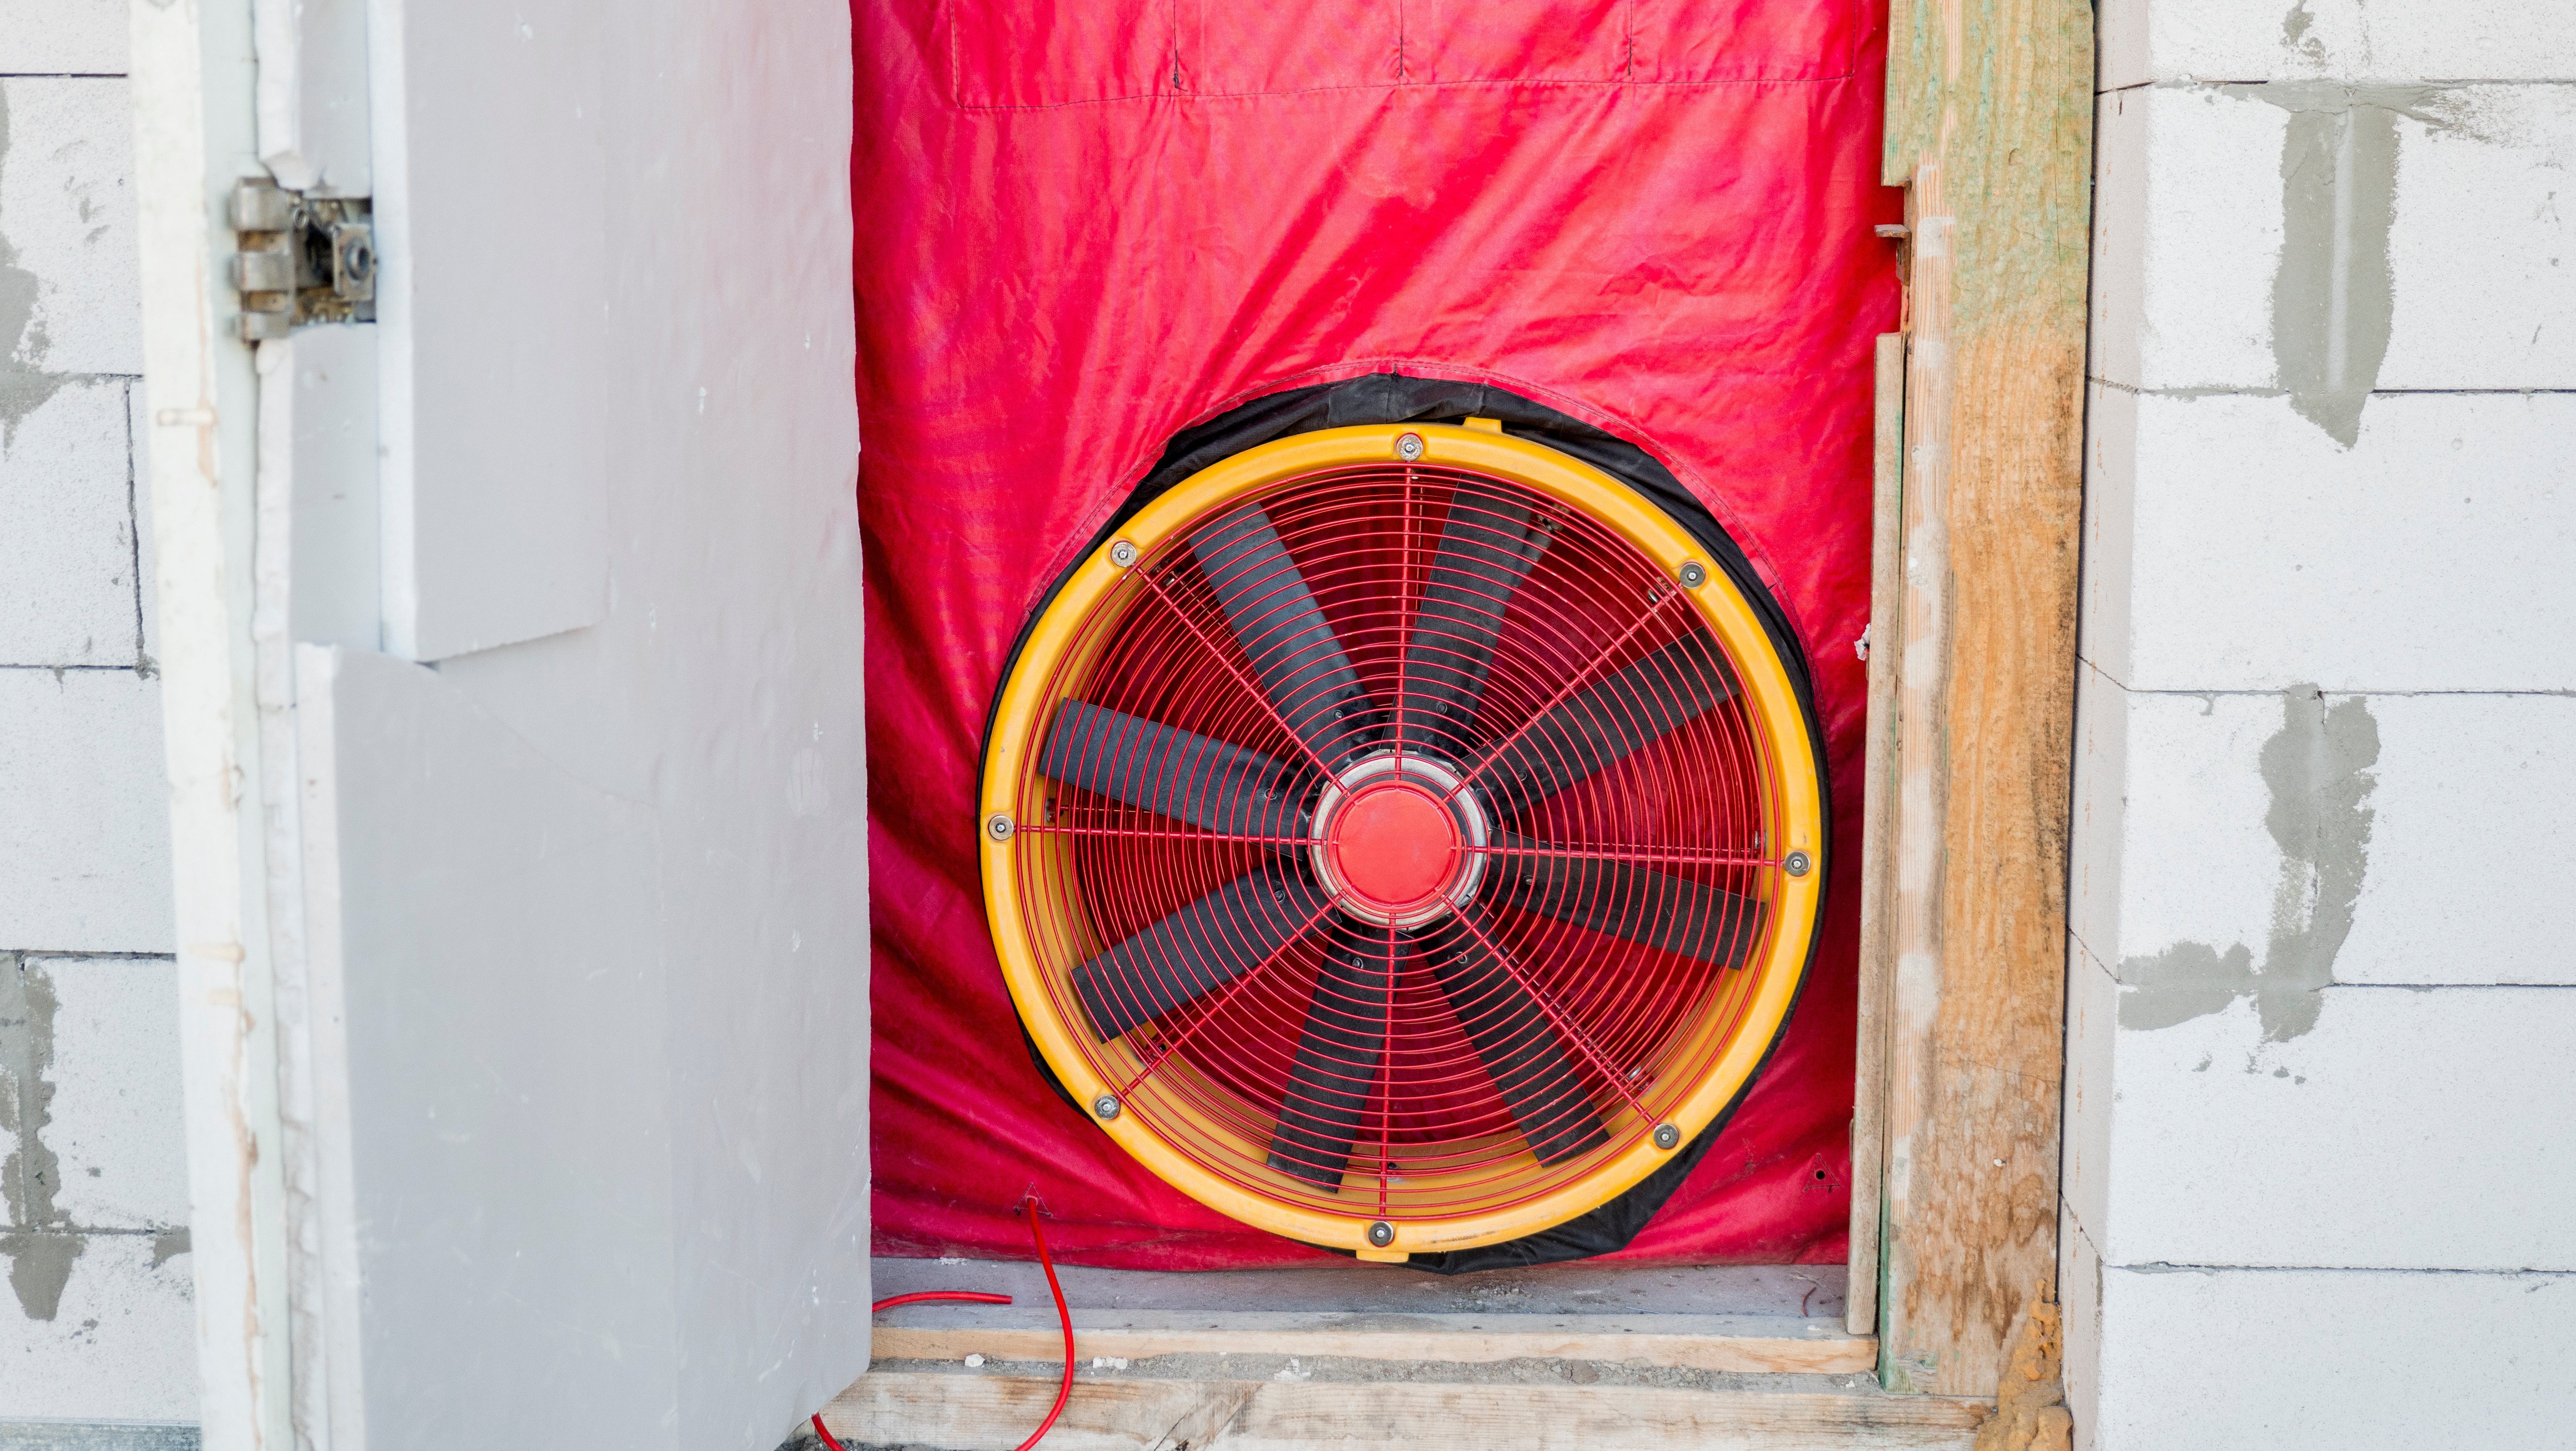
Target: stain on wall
40 1256
24 383
2318 769
2333 290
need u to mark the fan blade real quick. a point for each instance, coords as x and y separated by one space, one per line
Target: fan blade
1292 646
1606 722
1629 901
1336 1069
1205 782
1486 549
1196 950
1529 1063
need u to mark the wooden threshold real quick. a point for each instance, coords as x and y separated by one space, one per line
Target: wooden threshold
1566 1356
956 1409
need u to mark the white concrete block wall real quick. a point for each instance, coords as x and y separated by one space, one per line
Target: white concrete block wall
2320 992
95 1323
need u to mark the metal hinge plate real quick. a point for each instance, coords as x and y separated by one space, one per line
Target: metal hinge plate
300 260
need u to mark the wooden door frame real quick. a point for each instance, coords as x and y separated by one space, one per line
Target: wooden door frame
1955 1135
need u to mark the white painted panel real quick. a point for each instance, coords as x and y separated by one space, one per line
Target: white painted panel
114 1122
2473 846
62 37
85 833
2187 233
2431 556
721 687
491 195
67 555
314 134
120 1344
2391 40
337 589
2332 1361
2421 1129
507 1051
67 242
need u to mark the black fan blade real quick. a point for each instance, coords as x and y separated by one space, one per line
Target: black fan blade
1292 646
1197 949
1336 1068
1630 901
1187 777
1606 722
1486 549
1532 1067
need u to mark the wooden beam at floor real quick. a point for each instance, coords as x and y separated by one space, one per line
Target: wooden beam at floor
1742 1344
1990 127
969 1411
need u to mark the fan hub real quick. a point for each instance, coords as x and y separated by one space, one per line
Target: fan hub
1394 840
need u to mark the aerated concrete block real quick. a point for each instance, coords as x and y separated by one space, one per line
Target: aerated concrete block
2328 1360
2253 1123
2364 40
100 1330
2404 840
62 37
2331 240
2186 238
67 546
85 841
114 1128
2254 552
70 288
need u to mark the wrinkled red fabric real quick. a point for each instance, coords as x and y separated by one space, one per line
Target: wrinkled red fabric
1084 226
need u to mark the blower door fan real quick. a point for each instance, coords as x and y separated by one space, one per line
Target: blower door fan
1401 837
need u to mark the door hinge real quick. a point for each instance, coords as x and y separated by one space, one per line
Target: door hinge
300 259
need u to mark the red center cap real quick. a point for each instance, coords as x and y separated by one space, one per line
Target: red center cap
1395 844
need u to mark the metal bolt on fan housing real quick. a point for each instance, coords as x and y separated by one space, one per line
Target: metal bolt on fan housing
1392 845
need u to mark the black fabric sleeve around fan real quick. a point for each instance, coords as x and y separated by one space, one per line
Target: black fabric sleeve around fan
1400 398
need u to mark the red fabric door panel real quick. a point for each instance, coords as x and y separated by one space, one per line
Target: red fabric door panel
1011 53
1682 41
1513 40
1229 48
1046 295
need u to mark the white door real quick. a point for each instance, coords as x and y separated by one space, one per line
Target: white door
512 689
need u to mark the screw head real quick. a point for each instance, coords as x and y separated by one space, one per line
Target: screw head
1381 1234
1694 574
1797 864
1408 447
1667 1137
999 826
1105 1106
1122 554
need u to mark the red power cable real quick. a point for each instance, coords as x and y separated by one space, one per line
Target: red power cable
1063 1392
